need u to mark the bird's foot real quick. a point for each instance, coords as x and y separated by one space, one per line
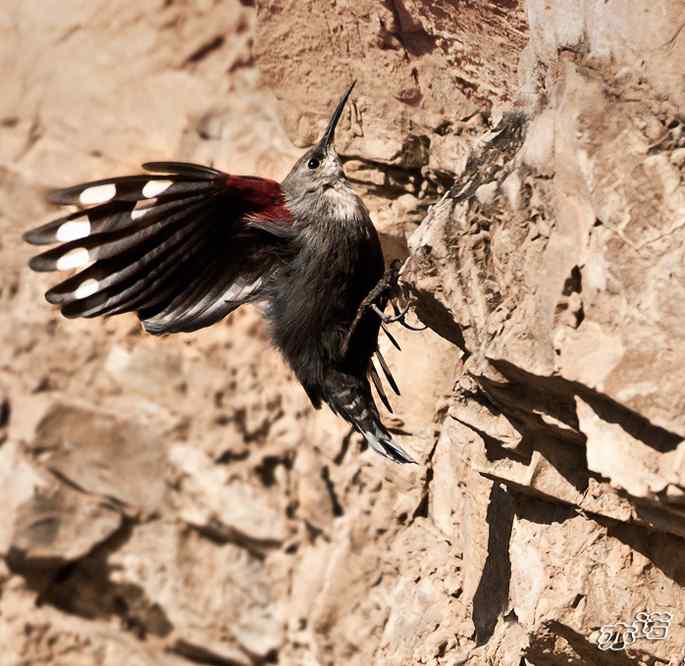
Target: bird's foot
384 291
398 317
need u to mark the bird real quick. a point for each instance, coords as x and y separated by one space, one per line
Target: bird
184 245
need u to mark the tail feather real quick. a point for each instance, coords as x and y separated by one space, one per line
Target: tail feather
350 397
387 373
381 442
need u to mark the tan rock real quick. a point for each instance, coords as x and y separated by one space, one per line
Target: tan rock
103 454
21 482
60 526
208 498
545 407
214 595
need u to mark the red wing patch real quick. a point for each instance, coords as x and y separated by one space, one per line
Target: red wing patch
262 198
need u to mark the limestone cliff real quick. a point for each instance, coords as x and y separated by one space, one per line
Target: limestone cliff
177 501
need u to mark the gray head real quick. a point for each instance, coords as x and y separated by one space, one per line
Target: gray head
319 169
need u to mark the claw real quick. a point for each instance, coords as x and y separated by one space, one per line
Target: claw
409 327
399 317
384 290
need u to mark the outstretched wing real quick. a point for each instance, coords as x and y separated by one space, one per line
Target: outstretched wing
182 249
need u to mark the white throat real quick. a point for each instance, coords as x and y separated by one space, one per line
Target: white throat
342 198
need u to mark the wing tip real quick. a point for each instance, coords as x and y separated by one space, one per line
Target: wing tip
45 234
62 196
34 237
53 298
40 264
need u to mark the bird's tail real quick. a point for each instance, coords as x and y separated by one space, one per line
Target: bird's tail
350 397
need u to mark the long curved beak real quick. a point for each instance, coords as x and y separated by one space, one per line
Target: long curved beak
329 134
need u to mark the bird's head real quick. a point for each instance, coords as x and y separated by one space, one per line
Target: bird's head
319 170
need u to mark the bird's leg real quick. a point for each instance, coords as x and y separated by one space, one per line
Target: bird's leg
399 316
386 287
366 303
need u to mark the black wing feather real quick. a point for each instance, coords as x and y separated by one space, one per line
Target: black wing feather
181 249
122 290
185 168
128 264
131 188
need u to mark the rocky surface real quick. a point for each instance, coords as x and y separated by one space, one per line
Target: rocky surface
177 501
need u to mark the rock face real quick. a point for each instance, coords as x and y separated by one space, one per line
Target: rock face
177 501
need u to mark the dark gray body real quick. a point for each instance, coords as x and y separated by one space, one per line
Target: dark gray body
336 260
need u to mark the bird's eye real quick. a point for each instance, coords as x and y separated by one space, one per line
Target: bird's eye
313 163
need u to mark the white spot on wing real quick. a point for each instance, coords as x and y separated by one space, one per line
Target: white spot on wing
76 258
73 230
86 288
98 194
154 188
141 208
